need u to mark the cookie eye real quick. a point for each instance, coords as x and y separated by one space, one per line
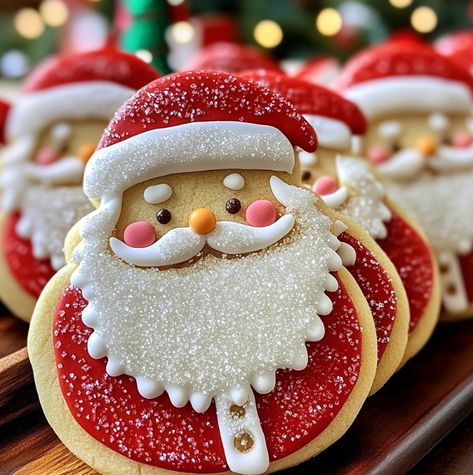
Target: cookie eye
306 175
163 216
395 146
233 206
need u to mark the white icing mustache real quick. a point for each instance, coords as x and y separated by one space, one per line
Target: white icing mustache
408 163
181 244
16 176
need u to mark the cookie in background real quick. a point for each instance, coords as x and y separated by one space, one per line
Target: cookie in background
347 185
420 139
208 274
51 131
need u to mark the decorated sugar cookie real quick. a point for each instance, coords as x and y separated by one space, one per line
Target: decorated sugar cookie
458 47
335 119
204 322
231 58
51 132
420 137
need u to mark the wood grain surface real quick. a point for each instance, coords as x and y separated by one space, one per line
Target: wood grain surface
395 431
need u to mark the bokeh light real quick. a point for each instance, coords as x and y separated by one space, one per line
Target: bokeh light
424 19
54 12
268 33
28 23
144 55
182 32
400 3
328 22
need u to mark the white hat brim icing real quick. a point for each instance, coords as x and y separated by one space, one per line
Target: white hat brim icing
92 99
193 147
392 95
331 133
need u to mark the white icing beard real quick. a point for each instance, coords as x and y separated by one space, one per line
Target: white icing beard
216 327
442 204
438 191
364 203
47 210
47 214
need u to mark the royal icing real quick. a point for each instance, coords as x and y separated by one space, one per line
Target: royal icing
157 193
81 100
365 204
191 147
331 133
47 214
392 95
234 181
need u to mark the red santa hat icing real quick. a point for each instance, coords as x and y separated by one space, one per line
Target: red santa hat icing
395 78
196 121
82 85
231 58
334 118
458 47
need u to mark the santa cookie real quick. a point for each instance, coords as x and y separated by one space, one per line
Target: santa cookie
334 120
232 58
51 132
420 137
204 322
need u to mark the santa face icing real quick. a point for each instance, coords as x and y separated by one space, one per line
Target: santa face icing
425 157
43 181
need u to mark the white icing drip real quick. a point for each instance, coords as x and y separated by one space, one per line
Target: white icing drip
185 305
337 198
47 214
365 203
331 133
33 112
197 146
393 95
438 121
356 145
442 205
157 193
234 181
345 251
390 129
253 461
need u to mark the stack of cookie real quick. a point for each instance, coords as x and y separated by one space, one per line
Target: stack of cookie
242 266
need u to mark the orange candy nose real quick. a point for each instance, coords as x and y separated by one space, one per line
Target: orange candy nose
426 145
202 221
86 151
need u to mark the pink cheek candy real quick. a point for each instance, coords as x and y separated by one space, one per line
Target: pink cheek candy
325 185
46 156
377 154
261 213
139 234
462 140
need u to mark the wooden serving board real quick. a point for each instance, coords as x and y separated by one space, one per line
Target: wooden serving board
396 428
